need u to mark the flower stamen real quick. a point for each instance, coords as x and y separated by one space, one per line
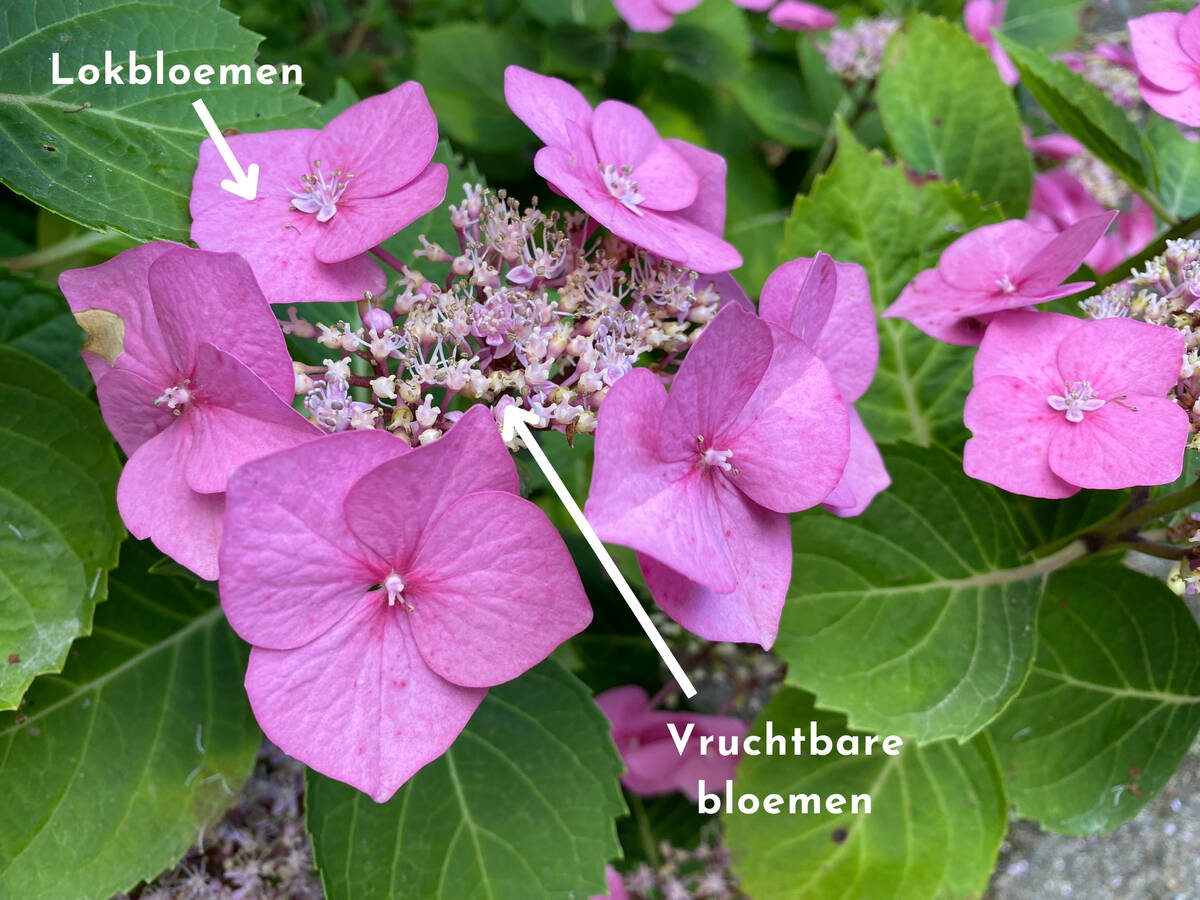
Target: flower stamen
1078 397
320 195
621 185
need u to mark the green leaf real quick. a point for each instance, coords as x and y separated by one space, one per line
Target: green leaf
937 817
61 530
111 769
1112 704
36 320
652 820
864 211
917 616
1041 23
1082 111
462 68
592 13
521 806
776 99
946 111
123 155
708 44
1177 167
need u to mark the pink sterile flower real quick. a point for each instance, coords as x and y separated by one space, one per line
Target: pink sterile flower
1166 47
666 196
980 17
1055 146
1061 403
700 481
795 15
653 763
652 15
1004 266
616 886
324 197
384 589
827 304
193 379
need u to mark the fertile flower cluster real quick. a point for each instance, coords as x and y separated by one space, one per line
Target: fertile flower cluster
699 874
856 53
1111 67
1165 292
534 311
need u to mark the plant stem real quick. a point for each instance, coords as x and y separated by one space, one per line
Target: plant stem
1126 523
388 260
1121 272
644 831
62 250
1161 549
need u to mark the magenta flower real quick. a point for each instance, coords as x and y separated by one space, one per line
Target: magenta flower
828 305
193 379
1055 146
1009 265
795 15
652 15
666 196
324 197
385 589
1061 404
653 763
700 481
1166 47
980 17
616 886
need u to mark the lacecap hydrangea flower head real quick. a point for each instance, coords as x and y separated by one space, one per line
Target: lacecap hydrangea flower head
193 379
665 196
1061 404
384 589
325 198
700 481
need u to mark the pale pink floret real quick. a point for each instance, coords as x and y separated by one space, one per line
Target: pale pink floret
666 196
615 884
325 197
796 15
980 18
203 384
827 304
700 481
385 589
1166 48
1061 404
652 15
653 765
1009 265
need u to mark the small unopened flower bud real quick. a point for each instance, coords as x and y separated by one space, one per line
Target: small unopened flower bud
427 413
409 391
428 436
338 371
364 419
330 337
304 382
462 265
377 320
384 387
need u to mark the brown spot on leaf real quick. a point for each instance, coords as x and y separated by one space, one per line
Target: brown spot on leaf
13 659
839 835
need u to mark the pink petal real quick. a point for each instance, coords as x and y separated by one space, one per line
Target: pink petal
120 286
290 565
865 475
358 703
702 250
1026 344
1139 441
665 180
470 457
829 308
1062 255
979 16
940 310
612 878
795 413
639 500
1189 37
643 15
678 7
1055 146
1161 60
156 503
1180 106
760 547
484 617
200 296
385 141
980 259
546 104
274 238
624 706
708 209
127 402
235 418
1119 356
1008 72
362 223
719 375
622 134
795 15
1013 427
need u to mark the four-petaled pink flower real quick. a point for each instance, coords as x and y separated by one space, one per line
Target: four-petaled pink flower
193 379
653 763
980 17
700 481
324 197
384 589
666 196
1061 404
1009 265
1166 47
827 304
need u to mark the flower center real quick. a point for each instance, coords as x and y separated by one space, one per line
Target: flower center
176 397
1005 284
1077 398
394 585
712 458
320 195
619 183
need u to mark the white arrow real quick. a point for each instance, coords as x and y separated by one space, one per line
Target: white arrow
518 420
244 184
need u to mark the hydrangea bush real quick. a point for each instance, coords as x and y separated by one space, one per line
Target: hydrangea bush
869 343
